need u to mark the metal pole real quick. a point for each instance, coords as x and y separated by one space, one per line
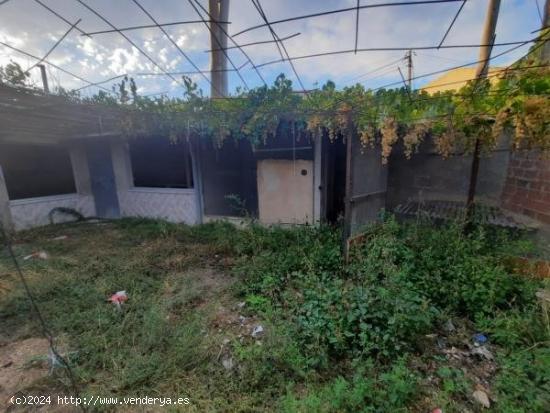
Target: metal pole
545 54
410 67
348 197
481 72
44 78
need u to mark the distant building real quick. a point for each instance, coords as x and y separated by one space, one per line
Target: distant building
457 78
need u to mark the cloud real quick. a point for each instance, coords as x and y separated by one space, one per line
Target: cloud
124 61
26 25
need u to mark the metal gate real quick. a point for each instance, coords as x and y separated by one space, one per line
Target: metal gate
366 185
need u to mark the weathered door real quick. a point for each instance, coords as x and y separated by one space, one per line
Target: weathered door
366 185
285 191
102 179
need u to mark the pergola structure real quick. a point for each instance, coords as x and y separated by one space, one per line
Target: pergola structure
29 115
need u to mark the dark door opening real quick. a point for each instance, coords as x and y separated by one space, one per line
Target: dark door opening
333 179
103 179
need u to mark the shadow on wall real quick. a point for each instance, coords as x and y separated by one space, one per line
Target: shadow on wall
427 176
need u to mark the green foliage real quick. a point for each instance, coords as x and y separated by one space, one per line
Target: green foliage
480 110
13 75
367 391
392 291
523 384
344 337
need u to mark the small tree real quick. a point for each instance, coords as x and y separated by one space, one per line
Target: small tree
13 75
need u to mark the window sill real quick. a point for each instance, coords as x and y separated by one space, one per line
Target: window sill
41 199
149 190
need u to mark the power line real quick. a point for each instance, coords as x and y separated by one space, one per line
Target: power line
275 37
258 6
52 65
129 41
452 23
459 66
57 43
375 70
325 13
396 49
495 73
538 11
147 26
238 46
438 57
57 358
218 41
407 89
254 43
147 74
56 14
173 42
357 25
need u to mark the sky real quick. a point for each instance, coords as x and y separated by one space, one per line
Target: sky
27 25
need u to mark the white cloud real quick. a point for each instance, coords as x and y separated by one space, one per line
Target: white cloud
35 30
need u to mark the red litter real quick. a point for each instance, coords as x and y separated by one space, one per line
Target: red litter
118 298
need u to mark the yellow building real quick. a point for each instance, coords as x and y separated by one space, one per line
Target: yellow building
456 78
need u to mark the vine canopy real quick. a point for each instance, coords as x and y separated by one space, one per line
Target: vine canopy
481 110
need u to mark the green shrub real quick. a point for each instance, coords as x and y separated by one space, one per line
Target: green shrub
523 384
367 391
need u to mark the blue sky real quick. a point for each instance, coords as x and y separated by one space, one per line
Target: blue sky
27 25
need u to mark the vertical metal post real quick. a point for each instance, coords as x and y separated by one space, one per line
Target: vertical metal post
545 54
44 78
481 72
349 187
410 69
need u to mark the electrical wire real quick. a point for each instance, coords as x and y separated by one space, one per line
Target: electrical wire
217 41
260 10
44 328
139 49
146 26
326 13
57 43
56 14
397 49
52 65
436 72
238 46
452 23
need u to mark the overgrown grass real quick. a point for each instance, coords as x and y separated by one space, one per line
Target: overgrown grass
339 337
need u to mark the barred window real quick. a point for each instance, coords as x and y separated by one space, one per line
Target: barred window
36 170
159 163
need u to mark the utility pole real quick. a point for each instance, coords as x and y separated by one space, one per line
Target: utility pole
481 73
545 53
410 69
219 12
44 78
488 38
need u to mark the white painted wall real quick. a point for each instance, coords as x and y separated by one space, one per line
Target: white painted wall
174 205
171 204
33 212
5 212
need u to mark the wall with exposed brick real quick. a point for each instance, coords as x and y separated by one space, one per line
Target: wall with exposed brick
527 187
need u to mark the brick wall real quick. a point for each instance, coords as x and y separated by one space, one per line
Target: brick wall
527 187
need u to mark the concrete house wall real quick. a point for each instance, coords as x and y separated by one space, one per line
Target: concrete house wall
171 204
31 212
